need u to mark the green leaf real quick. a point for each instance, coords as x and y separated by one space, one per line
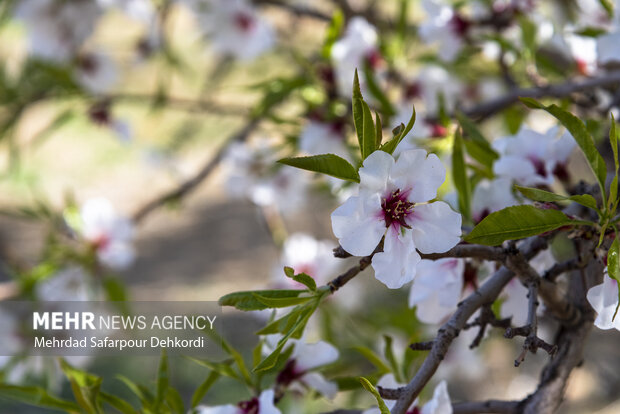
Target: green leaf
613 188
368 134
302 278
358 111
583 138
284 323
373 358
370 388
391 145
118 403
175 401
477 145
85 387
613 267
389 355
329 164
541 195
36 396
246 301
459 176
378 131
516 222
162 379
143 394
282 302
608 6
203 388
333 33
377 93
223 368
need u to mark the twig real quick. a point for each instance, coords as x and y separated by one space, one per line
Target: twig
559 268
486 317
485 294
190 184
364 262
422 346
461 251
489 406
486 109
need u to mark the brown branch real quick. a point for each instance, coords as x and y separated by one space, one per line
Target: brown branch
490 406
189 185
422 346
460 251
562 90
559 268
344 278
486 317
485 294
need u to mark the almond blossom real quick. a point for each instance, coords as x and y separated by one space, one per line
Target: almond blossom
531 158
604 300
263 404
96 72
319 137
439 404
109 233
394 200
490 196
306 358
445 27
235 28
57 28
305 254
358 46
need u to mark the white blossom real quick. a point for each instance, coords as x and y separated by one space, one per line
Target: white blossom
490 196
57 28
263 404
604 300
305 254
235 28
323 138
358 46
531 158
437 289
444 27
109 233
96 72
393 201
69 284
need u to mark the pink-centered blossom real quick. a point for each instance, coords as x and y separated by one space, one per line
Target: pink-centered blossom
263 404
604 300
531 158
395 200
109 233
358 47
443 27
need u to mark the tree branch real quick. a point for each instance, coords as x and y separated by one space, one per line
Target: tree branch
344 278
459 251
489 406
189 185
485 294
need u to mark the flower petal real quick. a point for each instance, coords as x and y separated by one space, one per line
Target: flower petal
604 300
220 409
265 403
396 264
358 224
440 404
318 382
375 171
310 356
436 227
419 173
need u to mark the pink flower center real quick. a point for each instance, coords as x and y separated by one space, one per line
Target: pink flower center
289 374
459 25
101 242
244 21
437 130
539 165
414 410
250 406
374 59
413 90
396 208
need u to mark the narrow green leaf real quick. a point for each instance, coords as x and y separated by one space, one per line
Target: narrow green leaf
118 403
376 91
329 164
613 267
368 134
175 401
223 368
391 145
516 222
203 388
389 355
371 389
282 302
246 301
613 188
162 379
358 112
477 145
459 176
373 358
284 323
583 138
36 396
378 130
541 195
144 395
332 34
85 387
